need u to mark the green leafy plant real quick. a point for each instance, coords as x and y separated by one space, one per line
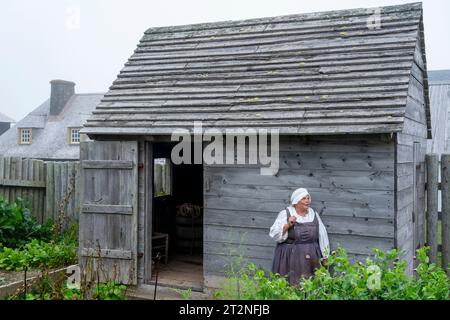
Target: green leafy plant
432 282
72 294
17 226
34 296
38 254
185 294
109 291
358 281
381 277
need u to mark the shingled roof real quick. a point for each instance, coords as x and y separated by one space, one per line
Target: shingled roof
50 132
316 73
5 118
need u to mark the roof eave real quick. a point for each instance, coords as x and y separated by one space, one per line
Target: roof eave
314 130
425 77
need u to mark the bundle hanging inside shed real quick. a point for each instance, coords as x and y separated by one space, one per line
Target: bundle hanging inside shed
189 210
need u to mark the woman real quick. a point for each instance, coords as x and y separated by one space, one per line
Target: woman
302 239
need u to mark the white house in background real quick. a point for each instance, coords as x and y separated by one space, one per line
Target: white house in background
439 84
51 131
5 123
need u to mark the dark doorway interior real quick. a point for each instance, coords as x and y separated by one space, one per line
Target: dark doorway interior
177 220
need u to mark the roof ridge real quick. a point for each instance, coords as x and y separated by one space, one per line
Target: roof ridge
90 94
308 16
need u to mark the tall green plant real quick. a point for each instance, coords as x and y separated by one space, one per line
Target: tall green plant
38 254
381 277
18 226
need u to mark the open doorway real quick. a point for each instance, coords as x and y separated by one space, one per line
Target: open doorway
177 220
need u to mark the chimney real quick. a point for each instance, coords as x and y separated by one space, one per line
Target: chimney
60 93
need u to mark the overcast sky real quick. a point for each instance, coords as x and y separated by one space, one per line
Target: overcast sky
88 41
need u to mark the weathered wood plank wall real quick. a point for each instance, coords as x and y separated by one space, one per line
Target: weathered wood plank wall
351 180
141 212
432 163
63 190
438 189
445 171
410 167
440 111
24 178
49 187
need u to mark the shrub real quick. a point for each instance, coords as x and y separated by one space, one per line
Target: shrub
380 277
109 291
38 254
17 226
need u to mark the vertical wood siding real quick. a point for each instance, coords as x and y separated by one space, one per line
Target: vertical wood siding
63 190
351 180
414 130
108 221
24 178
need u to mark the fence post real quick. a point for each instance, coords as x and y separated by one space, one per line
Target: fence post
445 191
432 162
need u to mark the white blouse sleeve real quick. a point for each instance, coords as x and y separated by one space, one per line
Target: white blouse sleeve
323 238
276 231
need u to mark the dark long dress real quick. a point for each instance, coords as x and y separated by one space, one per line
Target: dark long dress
299 256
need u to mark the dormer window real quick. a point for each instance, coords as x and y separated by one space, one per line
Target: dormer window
74 135
25 136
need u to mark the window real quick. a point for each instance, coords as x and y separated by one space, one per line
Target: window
74 135
25 136
162 177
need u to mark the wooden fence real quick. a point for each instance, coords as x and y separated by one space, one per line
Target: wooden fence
433 186
63 189
24 178
49 187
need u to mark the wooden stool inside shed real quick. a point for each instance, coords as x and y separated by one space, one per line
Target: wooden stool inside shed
161 241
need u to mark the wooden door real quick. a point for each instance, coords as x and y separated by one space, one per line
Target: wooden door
108 219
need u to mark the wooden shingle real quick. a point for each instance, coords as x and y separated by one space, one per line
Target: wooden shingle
317 73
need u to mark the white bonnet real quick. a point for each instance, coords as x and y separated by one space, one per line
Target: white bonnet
298 195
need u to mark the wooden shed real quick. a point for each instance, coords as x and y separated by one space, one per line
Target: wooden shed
439 85
347 91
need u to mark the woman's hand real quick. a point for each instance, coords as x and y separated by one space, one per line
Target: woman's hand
292 220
